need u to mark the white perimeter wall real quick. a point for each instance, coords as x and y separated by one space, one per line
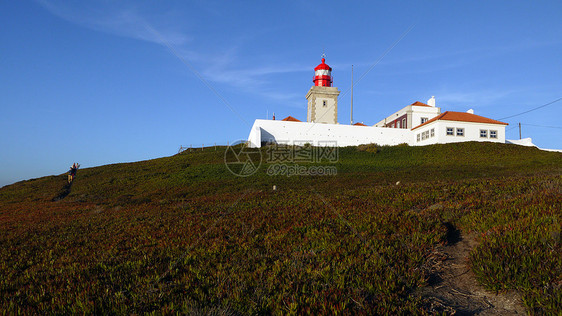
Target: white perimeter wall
317 134
284 132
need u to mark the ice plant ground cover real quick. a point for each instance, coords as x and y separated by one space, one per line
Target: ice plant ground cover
183 234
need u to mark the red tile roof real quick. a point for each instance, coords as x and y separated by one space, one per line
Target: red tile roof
291 119
359 124
461 117
418 103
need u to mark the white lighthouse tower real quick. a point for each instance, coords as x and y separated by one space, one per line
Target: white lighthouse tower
322 97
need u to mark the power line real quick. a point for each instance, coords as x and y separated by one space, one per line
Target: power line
542 106
560 127
382 56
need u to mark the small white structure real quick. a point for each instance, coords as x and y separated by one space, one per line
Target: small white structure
528 142
416 124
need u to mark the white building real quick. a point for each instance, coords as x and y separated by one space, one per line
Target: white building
411 116
454 127
416 124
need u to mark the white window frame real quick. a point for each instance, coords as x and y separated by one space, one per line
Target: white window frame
403 123
483 133
452 131
495 134
424 119
418 137
433 132
461 130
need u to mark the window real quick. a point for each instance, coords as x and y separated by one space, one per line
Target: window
324 103
418 137
460 131
423 120
450 131
493 134
484 133
432 132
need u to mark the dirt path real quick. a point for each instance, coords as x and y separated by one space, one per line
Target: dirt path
453 288
63 192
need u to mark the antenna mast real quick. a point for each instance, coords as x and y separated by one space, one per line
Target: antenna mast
351 95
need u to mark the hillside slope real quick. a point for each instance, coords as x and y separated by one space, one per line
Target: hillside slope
183 173
182 233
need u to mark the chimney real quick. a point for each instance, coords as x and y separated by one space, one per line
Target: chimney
431 102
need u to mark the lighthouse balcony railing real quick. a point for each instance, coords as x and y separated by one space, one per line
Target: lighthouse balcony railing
331 78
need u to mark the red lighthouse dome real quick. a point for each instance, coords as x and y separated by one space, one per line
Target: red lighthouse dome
323 75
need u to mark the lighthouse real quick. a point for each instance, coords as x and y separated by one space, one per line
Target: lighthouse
322 97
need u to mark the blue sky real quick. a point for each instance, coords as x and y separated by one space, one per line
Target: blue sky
100 82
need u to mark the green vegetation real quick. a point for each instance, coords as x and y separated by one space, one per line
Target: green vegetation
520 247
183 234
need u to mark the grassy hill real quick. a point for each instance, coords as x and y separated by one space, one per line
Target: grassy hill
183 234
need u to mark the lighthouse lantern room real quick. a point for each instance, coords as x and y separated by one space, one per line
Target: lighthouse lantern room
322 75
322 97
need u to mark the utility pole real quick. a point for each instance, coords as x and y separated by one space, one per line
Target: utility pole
351 95
519 130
